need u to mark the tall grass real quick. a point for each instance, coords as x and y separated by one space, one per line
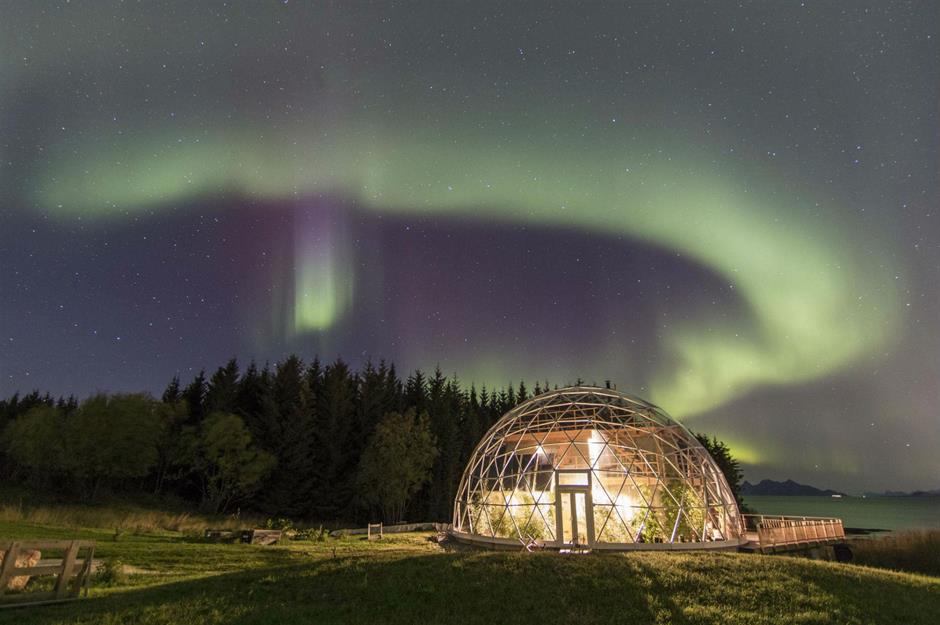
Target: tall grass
125 518
917 551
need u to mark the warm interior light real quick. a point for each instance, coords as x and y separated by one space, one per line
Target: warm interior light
595 447
625 506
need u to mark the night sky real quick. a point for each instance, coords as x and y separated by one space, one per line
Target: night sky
730 210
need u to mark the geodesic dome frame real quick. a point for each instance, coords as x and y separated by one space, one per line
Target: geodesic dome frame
592 467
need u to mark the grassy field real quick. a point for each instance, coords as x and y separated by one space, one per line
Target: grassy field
121 516
178 579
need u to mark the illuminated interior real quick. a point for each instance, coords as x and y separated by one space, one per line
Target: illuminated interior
586 467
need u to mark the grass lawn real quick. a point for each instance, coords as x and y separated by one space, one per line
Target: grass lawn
408 579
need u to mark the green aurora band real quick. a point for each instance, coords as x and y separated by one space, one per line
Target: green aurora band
809 281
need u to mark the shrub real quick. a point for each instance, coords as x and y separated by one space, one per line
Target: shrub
279 523
111 573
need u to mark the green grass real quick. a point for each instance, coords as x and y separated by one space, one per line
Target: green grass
408 579
120 516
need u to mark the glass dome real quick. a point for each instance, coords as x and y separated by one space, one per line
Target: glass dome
586 467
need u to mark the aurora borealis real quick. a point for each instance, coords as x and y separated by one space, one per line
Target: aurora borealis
731 211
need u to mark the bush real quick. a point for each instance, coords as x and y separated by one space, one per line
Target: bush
279 523
111 573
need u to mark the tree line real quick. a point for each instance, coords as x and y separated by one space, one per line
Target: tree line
299 440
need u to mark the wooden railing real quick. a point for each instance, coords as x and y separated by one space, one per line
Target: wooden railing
787 531
71 571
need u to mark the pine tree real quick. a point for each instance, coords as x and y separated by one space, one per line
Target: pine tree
249 399
8 407
510 398
195 398
728 464
371 403
452 469
172 393
290 484
222 391
314 378
173 416
502 404
378 393
445 404
394 389
416 392
333 428
472 424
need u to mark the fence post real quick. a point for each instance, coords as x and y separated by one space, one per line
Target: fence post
86 572
9 563
68 566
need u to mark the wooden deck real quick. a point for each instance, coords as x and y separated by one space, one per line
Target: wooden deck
773 534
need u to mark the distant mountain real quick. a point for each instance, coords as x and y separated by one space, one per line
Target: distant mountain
913 493
788 488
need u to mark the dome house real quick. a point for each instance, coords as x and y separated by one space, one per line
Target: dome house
593 468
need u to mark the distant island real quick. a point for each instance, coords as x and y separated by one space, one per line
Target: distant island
787 488
790 488
898 493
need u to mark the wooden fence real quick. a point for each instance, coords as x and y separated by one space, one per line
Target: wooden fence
71 571
776 532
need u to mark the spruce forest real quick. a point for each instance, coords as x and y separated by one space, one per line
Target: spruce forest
296 440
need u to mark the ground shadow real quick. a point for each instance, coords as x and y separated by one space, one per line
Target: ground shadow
495 588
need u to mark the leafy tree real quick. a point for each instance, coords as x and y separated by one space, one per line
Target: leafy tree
112 438
396 462
35 443
226 463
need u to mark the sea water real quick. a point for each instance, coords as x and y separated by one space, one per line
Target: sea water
888 513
